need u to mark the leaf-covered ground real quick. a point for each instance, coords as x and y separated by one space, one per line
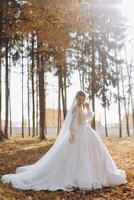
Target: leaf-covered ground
18 152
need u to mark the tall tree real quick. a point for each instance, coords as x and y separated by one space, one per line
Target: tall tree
33 87
6 89
22 97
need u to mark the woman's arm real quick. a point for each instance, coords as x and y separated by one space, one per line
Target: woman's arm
90 113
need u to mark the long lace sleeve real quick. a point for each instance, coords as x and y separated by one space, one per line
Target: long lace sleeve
90 115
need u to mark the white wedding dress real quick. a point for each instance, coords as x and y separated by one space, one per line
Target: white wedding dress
85 164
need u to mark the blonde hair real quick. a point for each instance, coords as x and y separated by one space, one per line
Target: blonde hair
80 93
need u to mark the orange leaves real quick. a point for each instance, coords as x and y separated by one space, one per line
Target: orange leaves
54 20
51 20
17 152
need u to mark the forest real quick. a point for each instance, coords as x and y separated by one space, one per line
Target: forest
61 37
71 36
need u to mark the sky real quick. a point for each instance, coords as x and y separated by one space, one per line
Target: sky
112 116
127 8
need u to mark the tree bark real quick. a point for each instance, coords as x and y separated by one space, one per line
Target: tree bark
40 70
28 96
37 105
6 92
59 107
42 103
33 93
10 105
22 73
105 114
132 105
118 99
93 78
62 88
125 106
1 29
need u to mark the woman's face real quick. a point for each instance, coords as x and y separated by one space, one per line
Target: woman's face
81 100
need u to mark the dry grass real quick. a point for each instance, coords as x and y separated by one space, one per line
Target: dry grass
17 152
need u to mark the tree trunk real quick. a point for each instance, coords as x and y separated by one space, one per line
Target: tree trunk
42 104
129 86
45 122
0 90
105 114
132 105
93 78
119 106
1 30
1 131
125 107
28 96
104 98
119 113
59 107
10 107
41 95
6 93
37 105
33 93
62 88
65 88
10 118
22 93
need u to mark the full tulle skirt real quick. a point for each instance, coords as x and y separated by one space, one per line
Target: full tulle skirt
86 164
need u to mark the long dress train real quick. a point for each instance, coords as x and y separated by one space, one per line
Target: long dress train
85 164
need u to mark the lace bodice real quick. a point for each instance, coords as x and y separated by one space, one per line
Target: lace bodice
80 116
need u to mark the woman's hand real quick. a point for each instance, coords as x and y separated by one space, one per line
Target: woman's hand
87 105
71 139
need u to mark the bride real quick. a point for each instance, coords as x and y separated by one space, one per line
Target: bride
78 158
